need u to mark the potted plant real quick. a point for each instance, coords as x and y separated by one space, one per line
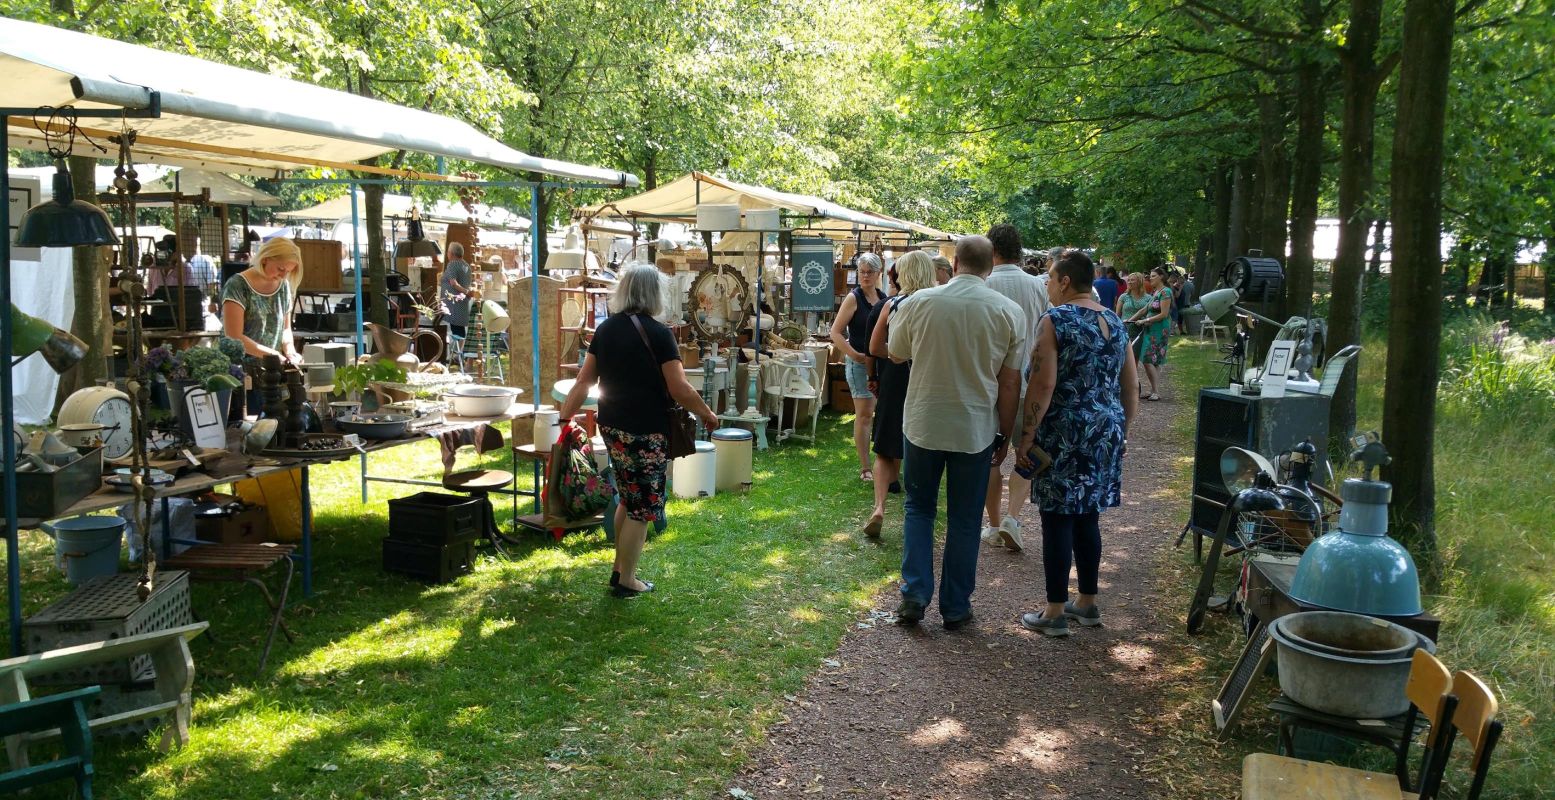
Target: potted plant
352 381
209 369
161 365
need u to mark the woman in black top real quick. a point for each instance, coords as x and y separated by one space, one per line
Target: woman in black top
850 334
634 358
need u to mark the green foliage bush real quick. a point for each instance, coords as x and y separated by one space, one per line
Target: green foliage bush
1488 371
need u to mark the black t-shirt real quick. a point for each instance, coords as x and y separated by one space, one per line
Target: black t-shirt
632 396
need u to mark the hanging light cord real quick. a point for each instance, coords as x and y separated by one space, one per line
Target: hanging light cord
61 117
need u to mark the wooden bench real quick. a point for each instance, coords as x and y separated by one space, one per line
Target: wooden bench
242 563
169 652
64 712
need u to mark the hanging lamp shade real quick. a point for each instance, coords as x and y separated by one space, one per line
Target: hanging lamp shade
571 256
32 335
416 244
65 221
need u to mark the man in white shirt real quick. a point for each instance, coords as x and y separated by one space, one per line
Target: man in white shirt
1030 293
967 345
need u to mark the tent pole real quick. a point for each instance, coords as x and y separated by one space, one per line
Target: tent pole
356 273
536 230
13 567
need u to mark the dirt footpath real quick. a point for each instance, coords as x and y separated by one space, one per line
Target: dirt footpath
993 710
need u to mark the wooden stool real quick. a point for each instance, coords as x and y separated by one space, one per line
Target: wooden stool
242 563
479 483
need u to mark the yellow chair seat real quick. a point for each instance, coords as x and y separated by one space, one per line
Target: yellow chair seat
1266 776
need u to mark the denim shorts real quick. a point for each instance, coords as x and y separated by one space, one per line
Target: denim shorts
858 381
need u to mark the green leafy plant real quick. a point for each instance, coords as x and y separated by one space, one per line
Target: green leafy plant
210 368
353 378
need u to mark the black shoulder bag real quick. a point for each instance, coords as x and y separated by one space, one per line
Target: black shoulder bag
682 427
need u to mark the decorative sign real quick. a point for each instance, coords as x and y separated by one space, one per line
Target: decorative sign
1281 354
25 192
202 420
813 260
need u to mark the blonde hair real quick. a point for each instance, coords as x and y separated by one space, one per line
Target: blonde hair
914 271
284 249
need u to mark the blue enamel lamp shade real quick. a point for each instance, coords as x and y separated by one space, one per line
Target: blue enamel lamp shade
1359 568
65 221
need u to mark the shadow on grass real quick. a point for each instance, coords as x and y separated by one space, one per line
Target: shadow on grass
523 678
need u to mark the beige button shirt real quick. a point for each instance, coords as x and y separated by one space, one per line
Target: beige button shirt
1030 293
958 336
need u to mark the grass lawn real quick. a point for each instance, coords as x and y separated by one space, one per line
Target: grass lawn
1497 603
523 679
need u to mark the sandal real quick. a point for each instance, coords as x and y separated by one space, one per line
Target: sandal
876 522
1153 397
866 475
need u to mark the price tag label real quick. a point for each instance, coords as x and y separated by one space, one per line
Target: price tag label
355 441
190 456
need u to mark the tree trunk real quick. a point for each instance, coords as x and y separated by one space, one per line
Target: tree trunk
1548 265
89 277
1220 237
377 271
1274 165
1307 181
1378 244
1500 261
1253 225
1415 309
1459 287
1241 202
1355 180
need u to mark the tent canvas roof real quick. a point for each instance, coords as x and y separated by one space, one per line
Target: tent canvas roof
399 205
224 188
222 117
676 201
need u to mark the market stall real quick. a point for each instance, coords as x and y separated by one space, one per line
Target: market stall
177 110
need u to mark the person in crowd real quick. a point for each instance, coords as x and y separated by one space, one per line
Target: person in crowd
454 289
966 344
257 302
850 334
915 271
1154 322
636 362
1174 282
1130 303
1106 289
1117 281
1187 295
1080 401
168 270
1030 293
942 269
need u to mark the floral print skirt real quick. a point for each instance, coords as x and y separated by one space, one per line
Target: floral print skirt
640 461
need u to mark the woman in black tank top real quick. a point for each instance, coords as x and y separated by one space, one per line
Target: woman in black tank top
850 334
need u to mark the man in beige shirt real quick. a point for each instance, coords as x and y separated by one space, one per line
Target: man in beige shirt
967 345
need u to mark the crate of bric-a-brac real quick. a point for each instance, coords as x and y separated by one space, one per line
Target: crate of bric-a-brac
108 608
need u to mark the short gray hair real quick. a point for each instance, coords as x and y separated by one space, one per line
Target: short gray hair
1053 254
870 260
639 291
455 250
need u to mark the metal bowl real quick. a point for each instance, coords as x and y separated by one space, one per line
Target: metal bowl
471 400
375 426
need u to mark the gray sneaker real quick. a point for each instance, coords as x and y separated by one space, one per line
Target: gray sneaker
1090 617
990 535
1009 533
1034 621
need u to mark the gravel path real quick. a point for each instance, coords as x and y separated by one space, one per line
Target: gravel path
995 711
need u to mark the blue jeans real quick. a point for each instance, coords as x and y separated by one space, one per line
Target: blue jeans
966 479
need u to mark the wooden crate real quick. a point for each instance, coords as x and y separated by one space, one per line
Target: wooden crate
321 264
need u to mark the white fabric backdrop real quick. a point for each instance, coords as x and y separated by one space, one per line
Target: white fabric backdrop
43 290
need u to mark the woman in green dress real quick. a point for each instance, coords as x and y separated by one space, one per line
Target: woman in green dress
1154 320
1130 303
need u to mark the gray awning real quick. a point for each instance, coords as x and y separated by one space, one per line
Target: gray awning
233 119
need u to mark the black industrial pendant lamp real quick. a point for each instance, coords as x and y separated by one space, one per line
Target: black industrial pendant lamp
65 221
416 244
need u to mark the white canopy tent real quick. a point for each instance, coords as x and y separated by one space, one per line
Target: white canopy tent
397 206
677 200
223 188
263 124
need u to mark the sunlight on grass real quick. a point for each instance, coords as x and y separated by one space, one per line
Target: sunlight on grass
522 679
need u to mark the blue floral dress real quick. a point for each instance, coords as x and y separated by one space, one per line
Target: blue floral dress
1083 428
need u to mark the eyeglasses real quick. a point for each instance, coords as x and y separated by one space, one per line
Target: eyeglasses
867 271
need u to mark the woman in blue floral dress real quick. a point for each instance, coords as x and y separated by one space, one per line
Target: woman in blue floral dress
1082 394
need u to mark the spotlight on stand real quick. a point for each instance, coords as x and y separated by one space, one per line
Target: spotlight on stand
64 221
32 335
416 244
